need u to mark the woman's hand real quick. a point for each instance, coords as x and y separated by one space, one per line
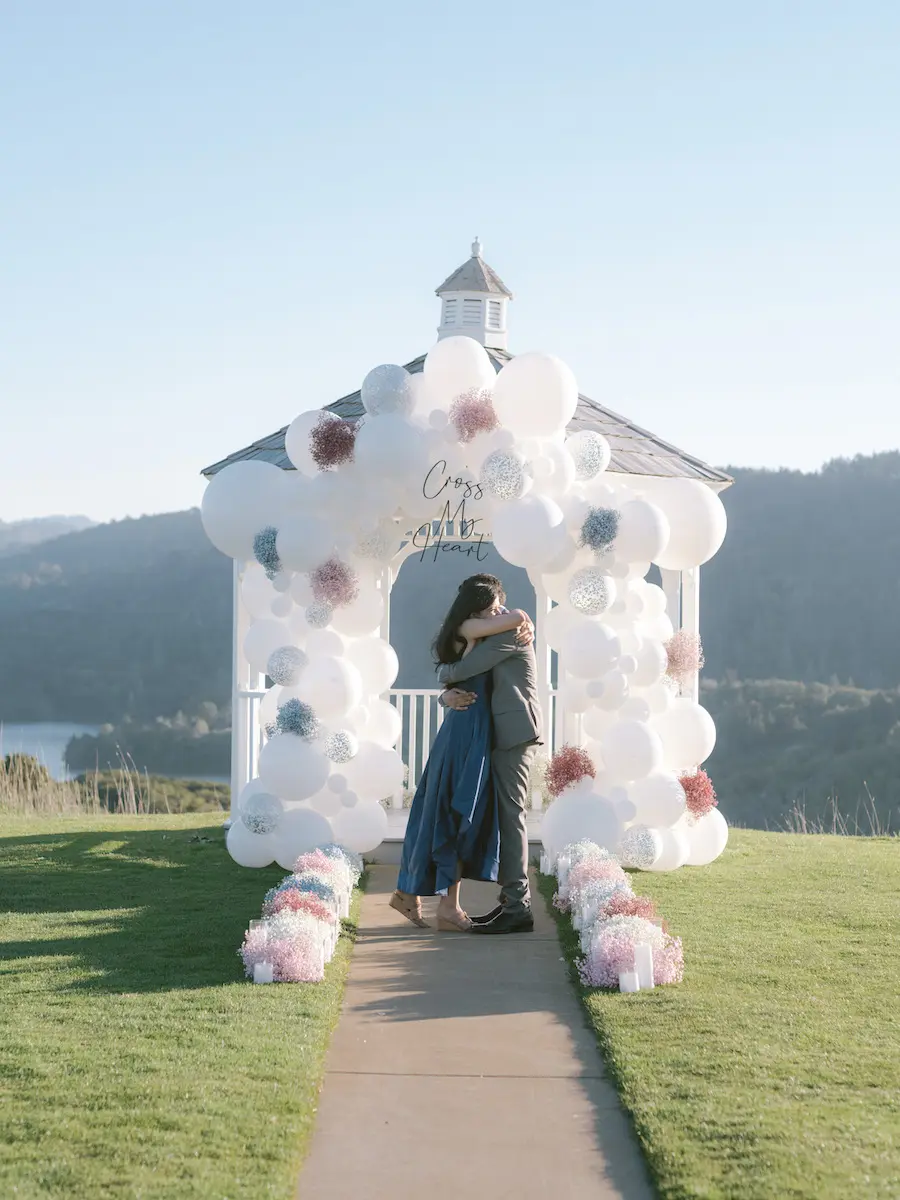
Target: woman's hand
525 630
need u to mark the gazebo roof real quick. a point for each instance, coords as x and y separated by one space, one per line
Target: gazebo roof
634 450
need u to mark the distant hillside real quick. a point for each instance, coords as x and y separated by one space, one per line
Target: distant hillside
16 535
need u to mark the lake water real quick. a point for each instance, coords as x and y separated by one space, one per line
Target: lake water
46 741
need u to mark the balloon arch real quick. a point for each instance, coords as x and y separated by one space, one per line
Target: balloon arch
464 453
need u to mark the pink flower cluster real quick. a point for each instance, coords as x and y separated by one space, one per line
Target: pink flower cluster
567 766
612 951
315 860
332 442
334 582
294 959
685 653
294 901
621 905
699 793
589 870
473 413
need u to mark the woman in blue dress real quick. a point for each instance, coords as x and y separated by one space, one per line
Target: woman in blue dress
453 830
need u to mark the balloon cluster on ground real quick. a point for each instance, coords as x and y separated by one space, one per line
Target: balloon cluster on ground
621 935
490 452
300 924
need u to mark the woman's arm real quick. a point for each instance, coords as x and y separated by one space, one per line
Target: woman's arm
482 627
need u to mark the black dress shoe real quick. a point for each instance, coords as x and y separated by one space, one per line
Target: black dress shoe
507 922
488 917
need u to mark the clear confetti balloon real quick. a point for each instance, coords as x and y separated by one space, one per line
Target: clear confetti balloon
261 813
591 591
319 614
341 746
590 452
503 475
286 664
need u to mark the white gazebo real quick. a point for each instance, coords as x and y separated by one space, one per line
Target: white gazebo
474 302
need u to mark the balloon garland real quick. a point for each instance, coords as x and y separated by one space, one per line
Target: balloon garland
489 452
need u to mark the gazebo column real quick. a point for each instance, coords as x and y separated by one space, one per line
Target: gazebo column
671 585
245 686
544 656
690 619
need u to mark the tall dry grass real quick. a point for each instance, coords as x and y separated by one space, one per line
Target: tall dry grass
866 821
25 790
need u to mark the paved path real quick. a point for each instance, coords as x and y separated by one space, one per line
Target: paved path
464 1065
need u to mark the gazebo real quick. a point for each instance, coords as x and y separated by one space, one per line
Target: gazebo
474 302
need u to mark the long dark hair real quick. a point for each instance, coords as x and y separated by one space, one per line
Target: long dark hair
475 594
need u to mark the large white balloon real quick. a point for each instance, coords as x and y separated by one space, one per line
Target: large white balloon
707 838
257 592
375 773
643 532
297 439
529 532
239 501
535 395
391 447
361 617
674 849
331 686
250 849
688 734
302 829
578 815
304 542
377 663
361 828
631 750
456 365
292 768
659 799
590 649
382 725
652 661
387 389
696 519
262 639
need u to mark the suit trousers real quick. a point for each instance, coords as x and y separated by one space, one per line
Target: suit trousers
510 770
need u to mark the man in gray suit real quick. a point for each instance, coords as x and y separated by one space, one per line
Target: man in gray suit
516 717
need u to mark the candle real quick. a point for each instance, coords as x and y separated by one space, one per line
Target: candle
578 918
643 964
628 981
263 972
537 800
255 924
562 874
545 863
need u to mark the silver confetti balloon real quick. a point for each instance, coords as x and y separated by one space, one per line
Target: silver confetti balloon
503 475
591 591
640 847
341 746
286 664
319 614
590 452
261 813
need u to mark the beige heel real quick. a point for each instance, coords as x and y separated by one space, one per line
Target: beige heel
446 925
406 908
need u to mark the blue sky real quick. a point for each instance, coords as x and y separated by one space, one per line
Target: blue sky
215 215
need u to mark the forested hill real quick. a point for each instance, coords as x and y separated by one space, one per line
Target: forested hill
134 618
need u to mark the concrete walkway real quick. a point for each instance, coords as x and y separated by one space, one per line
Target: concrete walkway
464 1065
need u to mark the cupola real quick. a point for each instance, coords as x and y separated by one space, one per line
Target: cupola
474 301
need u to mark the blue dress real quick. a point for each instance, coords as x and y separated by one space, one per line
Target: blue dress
453 820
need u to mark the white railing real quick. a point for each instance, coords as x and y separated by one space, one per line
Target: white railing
421 717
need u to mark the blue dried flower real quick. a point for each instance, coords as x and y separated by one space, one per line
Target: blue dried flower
316 887
298 718
353 861
265 553
600 529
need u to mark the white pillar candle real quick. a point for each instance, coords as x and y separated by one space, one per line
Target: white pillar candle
562 874
263 972
577 919
643 964
545 863
256 924
628 981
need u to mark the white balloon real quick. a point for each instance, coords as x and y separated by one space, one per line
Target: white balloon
590 452
590 649
304 543
302 829
383 724
707 838
456 365
557 624
659 628
652 661
688 734
331 686
250 849
635 708
529 532
674 850
327 802
363 616
292 768
572 694
659 799
375 773
361 828
297 439
631 750
535 395
387 389
643 532
301 590
560 477
596 722
262 639
697 522
239 501
577 815
377 663
614 692
322 643
391 448
282 606
257 592
659 697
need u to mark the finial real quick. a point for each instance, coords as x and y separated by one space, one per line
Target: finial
476 248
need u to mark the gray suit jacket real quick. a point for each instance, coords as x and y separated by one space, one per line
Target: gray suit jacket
514 697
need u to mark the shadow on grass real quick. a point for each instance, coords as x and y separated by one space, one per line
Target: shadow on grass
164 909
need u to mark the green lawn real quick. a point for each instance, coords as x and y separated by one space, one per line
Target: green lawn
135 1061
773 1070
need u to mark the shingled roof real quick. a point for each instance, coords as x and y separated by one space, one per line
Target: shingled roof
634 450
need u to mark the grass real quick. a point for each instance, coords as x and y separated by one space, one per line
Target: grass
773 1070
135 1061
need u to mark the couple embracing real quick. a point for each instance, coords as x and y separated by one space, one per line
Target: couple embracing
468 817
